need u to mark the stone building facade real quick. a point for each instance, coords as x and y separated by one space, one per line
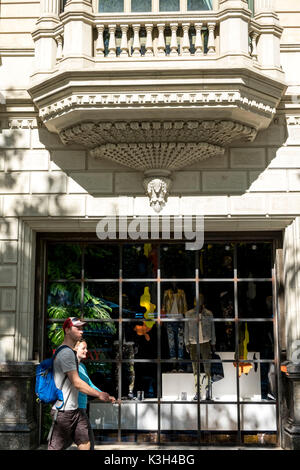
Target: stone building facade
94 114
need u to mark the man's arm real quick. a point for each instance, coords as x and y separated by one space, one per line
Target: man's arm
83 387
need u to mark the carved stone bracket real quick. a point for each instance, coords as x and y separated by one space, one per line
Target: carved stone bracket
151 155
158 147
157 188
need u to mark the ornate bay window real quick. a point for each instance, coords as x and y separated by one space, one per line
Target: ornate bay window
104 78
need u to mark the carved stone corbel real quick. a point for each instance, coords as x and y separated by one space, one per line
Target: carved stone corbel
157 185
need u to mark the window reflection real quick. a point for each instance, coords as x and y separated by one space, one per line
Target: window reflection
255 299
141 5
101 261
140 261
111 6
64 261
169 5
254 260
218 298
176 261
216 260
199 5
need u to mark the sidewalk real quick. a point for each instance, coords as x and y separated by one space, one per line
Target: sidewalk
150 448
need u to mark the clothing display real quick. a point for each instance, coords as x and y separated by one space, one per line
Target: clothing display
175 305
200 329
205 326
175 339
205 354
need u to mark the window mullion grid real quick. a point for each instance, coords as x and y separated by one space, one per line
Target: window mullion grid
158 371
198 356
120 359
82 277
235 285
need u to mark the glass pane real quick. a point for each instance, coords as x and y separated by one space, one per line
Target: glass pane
101 261
225 337
257 379
255 299
139 301
111 6
223 389
199 5
216 260
256 338
177 298
176 261
101 300
103 416
218 417
258 417
64 261
141 5
254 260
140 261
168 5
100 339
218 297
251 5
146 380
179 417
143 337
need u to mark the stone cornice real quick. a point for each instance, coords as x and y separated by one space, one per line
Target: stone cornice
152 99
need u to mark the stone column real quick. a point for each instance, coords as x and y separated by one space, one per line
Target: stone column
78 38
43 36
268 47
234 28
50 8
291 380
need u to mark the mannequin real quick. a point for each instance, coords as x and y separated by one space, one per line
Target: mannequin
206 338
128 352
174 306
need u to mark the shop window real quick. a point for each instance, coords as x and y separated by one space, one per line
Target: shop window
199 5
185 340
169 5
111 6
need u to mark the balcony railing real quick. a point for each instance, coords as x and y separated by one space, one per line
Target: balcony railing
160 37
213 34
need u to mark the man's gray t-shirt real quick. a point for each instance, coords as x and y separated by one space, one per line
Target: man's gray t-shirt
65 361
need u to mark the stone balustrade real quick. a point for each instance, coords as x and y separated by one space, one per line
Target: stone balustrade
157 37
205 34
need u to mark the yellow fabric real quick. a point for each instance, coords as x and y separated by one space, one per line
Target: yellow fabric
145 301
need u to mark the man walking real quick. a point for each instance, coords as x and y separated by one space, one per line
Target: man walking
69 425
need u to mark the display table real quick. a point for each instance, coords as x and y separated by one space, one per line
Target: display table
180 415
183 416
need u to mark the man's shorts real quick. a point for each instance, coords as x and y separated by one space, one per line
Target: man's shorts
70 426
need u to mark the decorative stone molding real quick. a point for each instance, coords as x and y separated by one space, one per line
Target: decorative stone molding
20 123
151 155
293 120
112 100
216 132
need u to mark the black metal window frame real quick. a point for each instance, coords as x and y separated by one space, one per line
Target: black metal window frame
252 237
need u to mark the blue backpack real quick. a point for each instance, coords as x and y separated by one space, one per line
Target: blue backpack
45 387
